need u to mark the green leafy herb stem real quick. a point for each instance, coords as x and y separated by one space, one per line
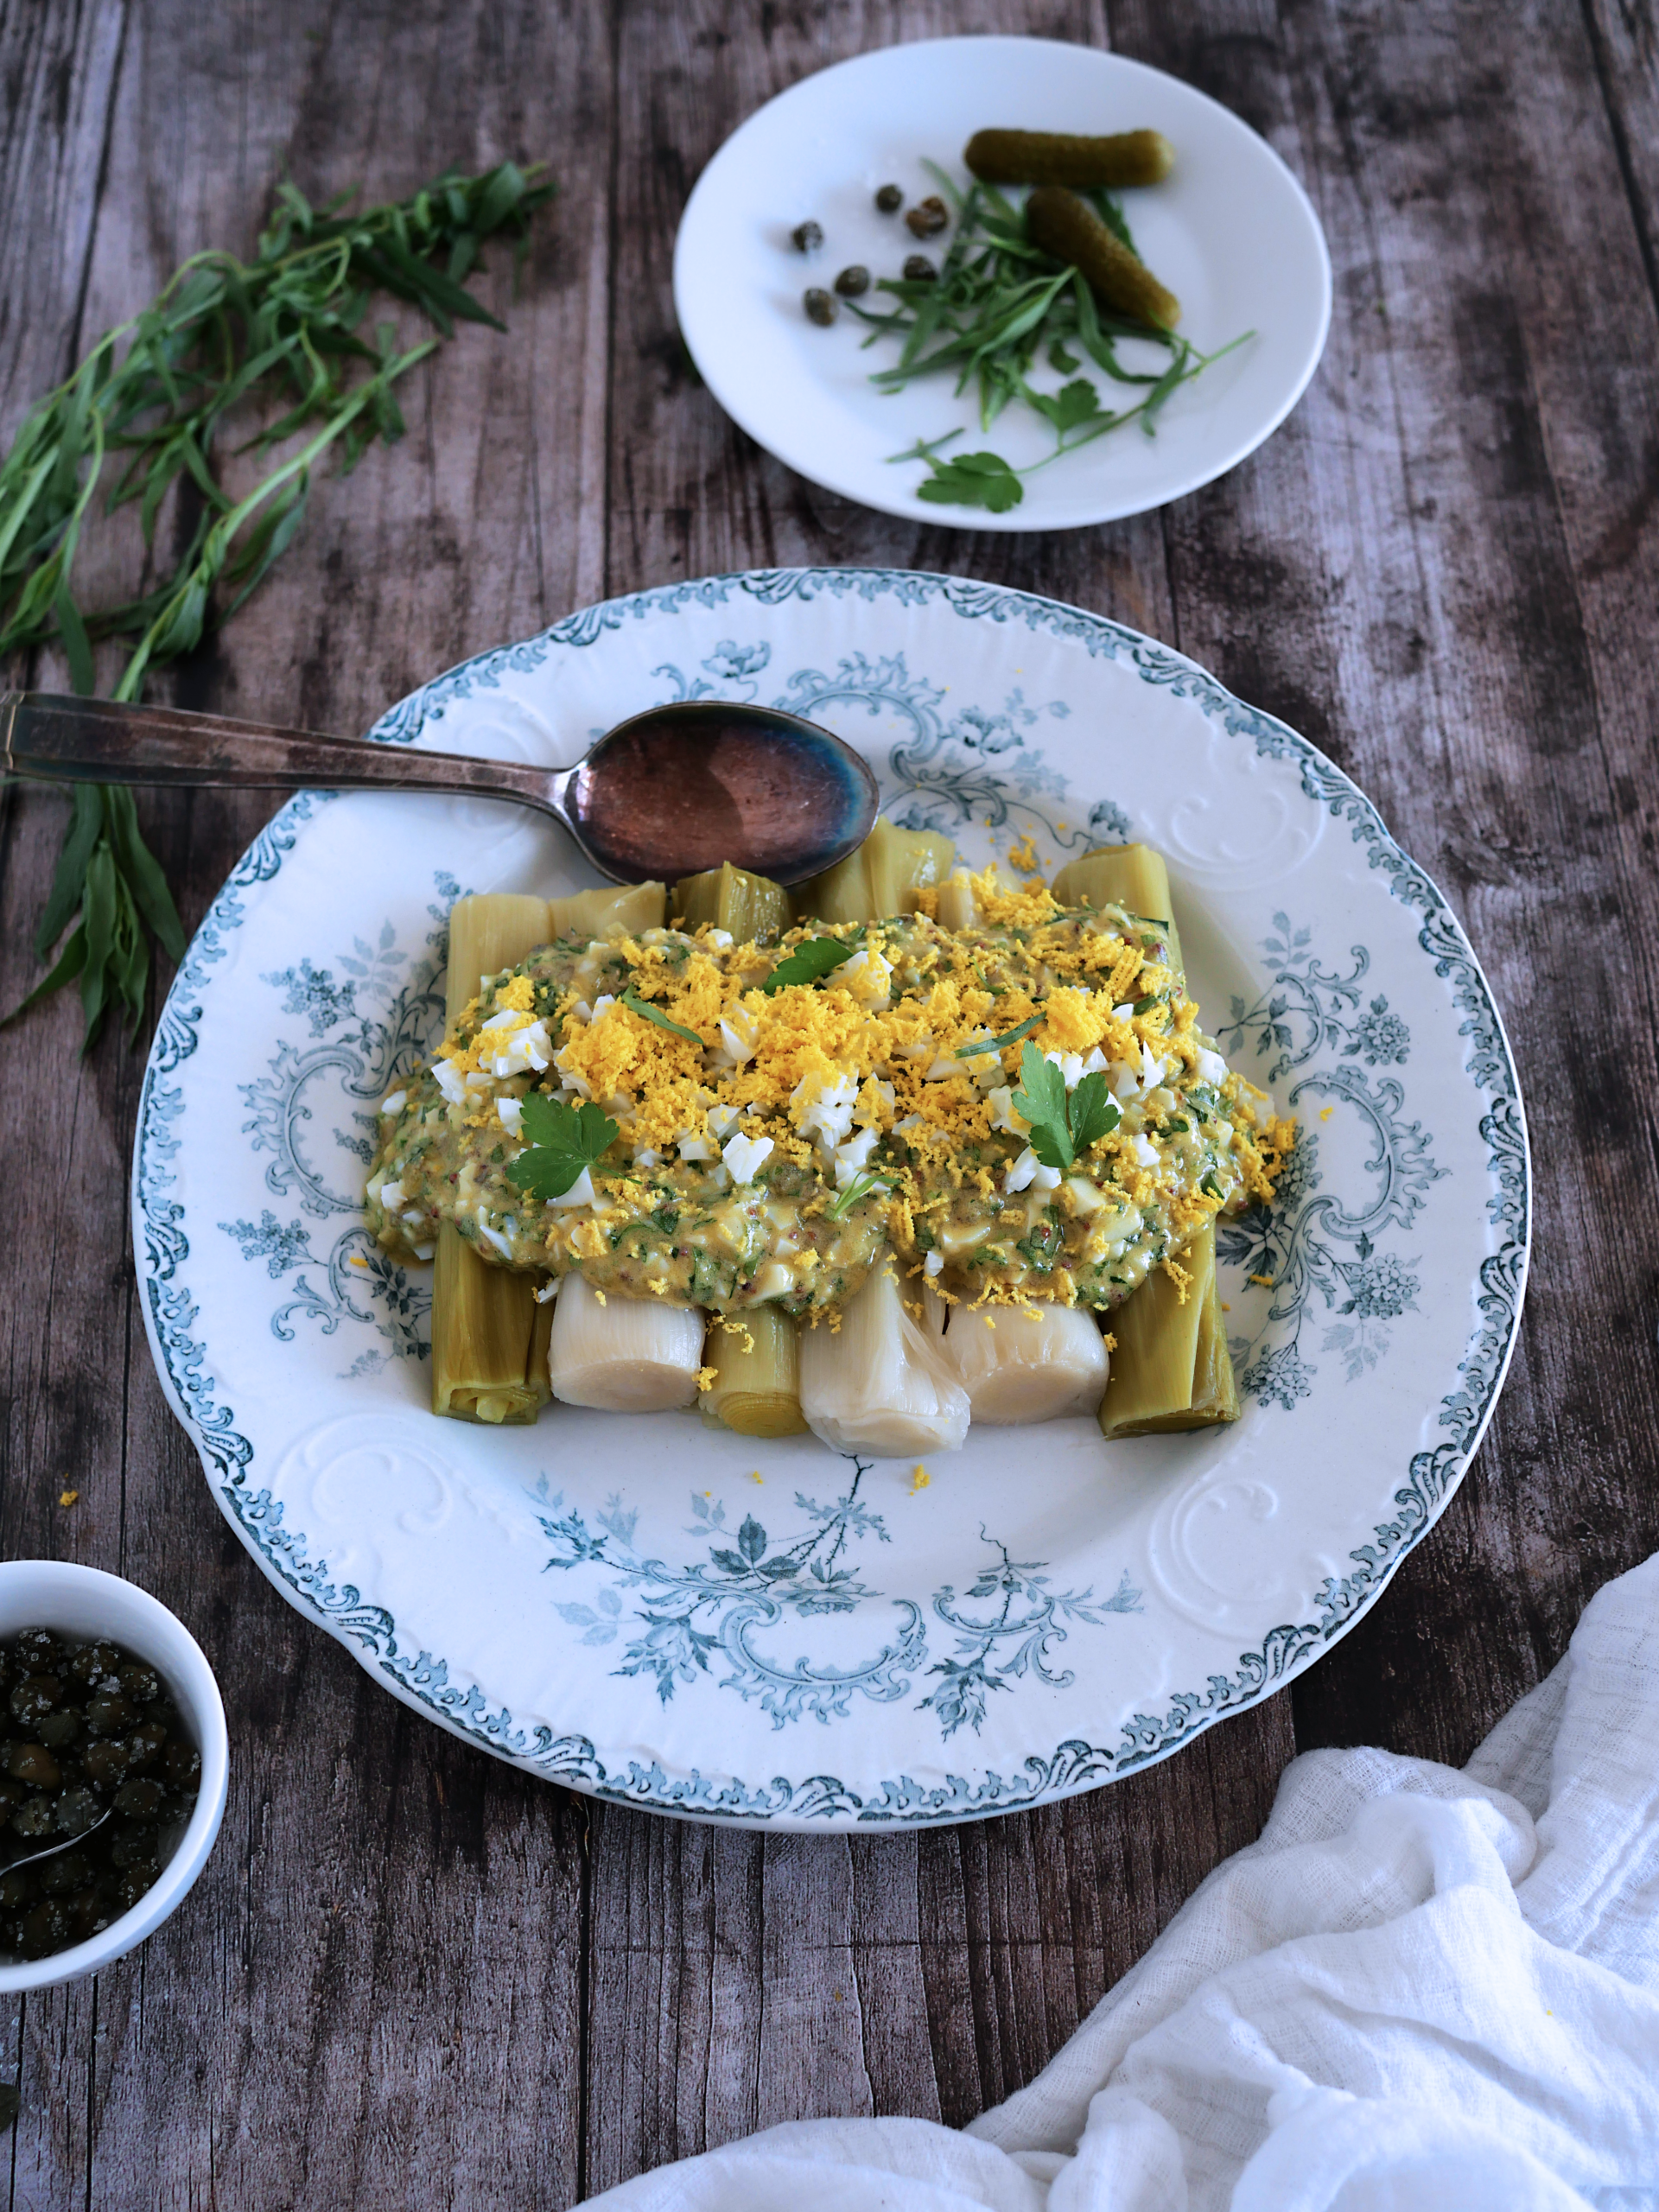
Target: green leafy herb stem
996 302
152 401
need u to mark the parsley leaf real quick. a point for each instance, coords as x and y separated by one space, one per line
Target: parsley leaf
808 963
1094 1113
1071 406
973 479
1061 1128
564 1139
646 1011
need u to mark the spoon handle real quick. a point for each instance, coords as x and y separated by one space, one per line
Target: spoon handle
63 739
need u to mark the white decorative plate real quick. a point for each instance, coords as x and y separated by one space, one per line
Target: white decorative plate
1230 231
769 1633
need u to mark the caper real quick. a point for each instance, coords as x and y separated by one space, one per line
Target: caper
918 270
106 1763
807 237
819 304
34 1764
852 280
93 1661
35 1697
133 1846
108 1712
889 199
32 1817
142 1745
46 1928
129 1886
16 1888
182 1764
36 1646
76 1811
928 217
142 1684
140 1801
70 1870
55 1730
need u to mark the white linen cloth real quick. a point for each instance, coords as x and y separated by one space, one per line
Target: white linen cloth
1421 1990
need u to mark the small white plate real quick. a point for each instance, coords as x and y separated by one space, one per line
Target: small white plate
1230 231
698 1622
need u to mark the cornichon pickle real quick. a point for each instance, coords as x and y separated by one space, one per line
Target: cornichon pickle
1061 223
1064 157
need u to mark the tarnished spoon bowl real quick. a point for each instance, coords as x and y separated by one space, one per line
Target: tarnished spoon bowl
667 793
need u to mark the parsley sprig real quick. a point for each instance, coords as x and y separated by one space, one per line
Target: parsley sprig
153 403
1064 1124
564 1139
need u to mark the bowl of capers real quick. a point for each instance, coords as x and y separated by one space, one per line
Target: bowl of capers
113 1767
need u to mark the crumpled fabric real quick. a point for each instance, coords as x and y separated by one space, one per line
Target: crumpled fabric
1421 1990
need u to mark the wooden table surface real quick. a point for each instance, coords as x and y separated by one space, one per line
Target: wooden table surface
411 1975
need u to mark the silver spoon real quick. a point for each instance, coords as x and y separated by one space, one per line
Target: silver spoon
667 793
52 1849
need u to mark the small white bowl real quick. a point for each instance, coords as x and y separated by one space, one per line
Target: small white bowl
81 1601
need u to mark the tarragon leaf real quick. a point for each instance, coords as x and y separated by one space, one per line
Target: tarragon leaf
999 1044
808 963
564 1139
860 1188
646 1011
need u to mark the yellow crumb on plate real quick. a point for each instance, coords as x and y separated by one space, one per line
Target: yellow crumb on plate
920 1479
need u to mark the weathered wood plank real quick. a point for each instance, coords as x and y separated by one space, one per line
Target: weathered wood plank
1443 570
391 1920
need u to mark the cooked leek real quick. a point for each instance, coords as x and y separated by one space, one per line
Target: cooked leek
1172 1369
881 878
880 1383
958 908
1131 876
757 1363
488 1360
614 910
749 908
1026 1366
626 1355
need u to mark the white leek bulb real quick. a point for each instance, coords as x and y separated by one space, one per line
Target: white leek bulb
1026 1367
880 1383
628 1355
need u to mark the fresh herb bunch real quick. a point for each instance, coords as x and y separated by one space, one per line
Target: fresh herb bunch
998 302
152 401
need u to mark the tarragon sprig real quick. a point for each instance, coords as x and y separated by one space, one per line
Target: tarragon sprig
153 400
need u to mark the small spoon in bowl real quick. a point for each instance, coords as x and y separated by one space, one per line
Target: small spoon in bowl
667 793
66 1843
